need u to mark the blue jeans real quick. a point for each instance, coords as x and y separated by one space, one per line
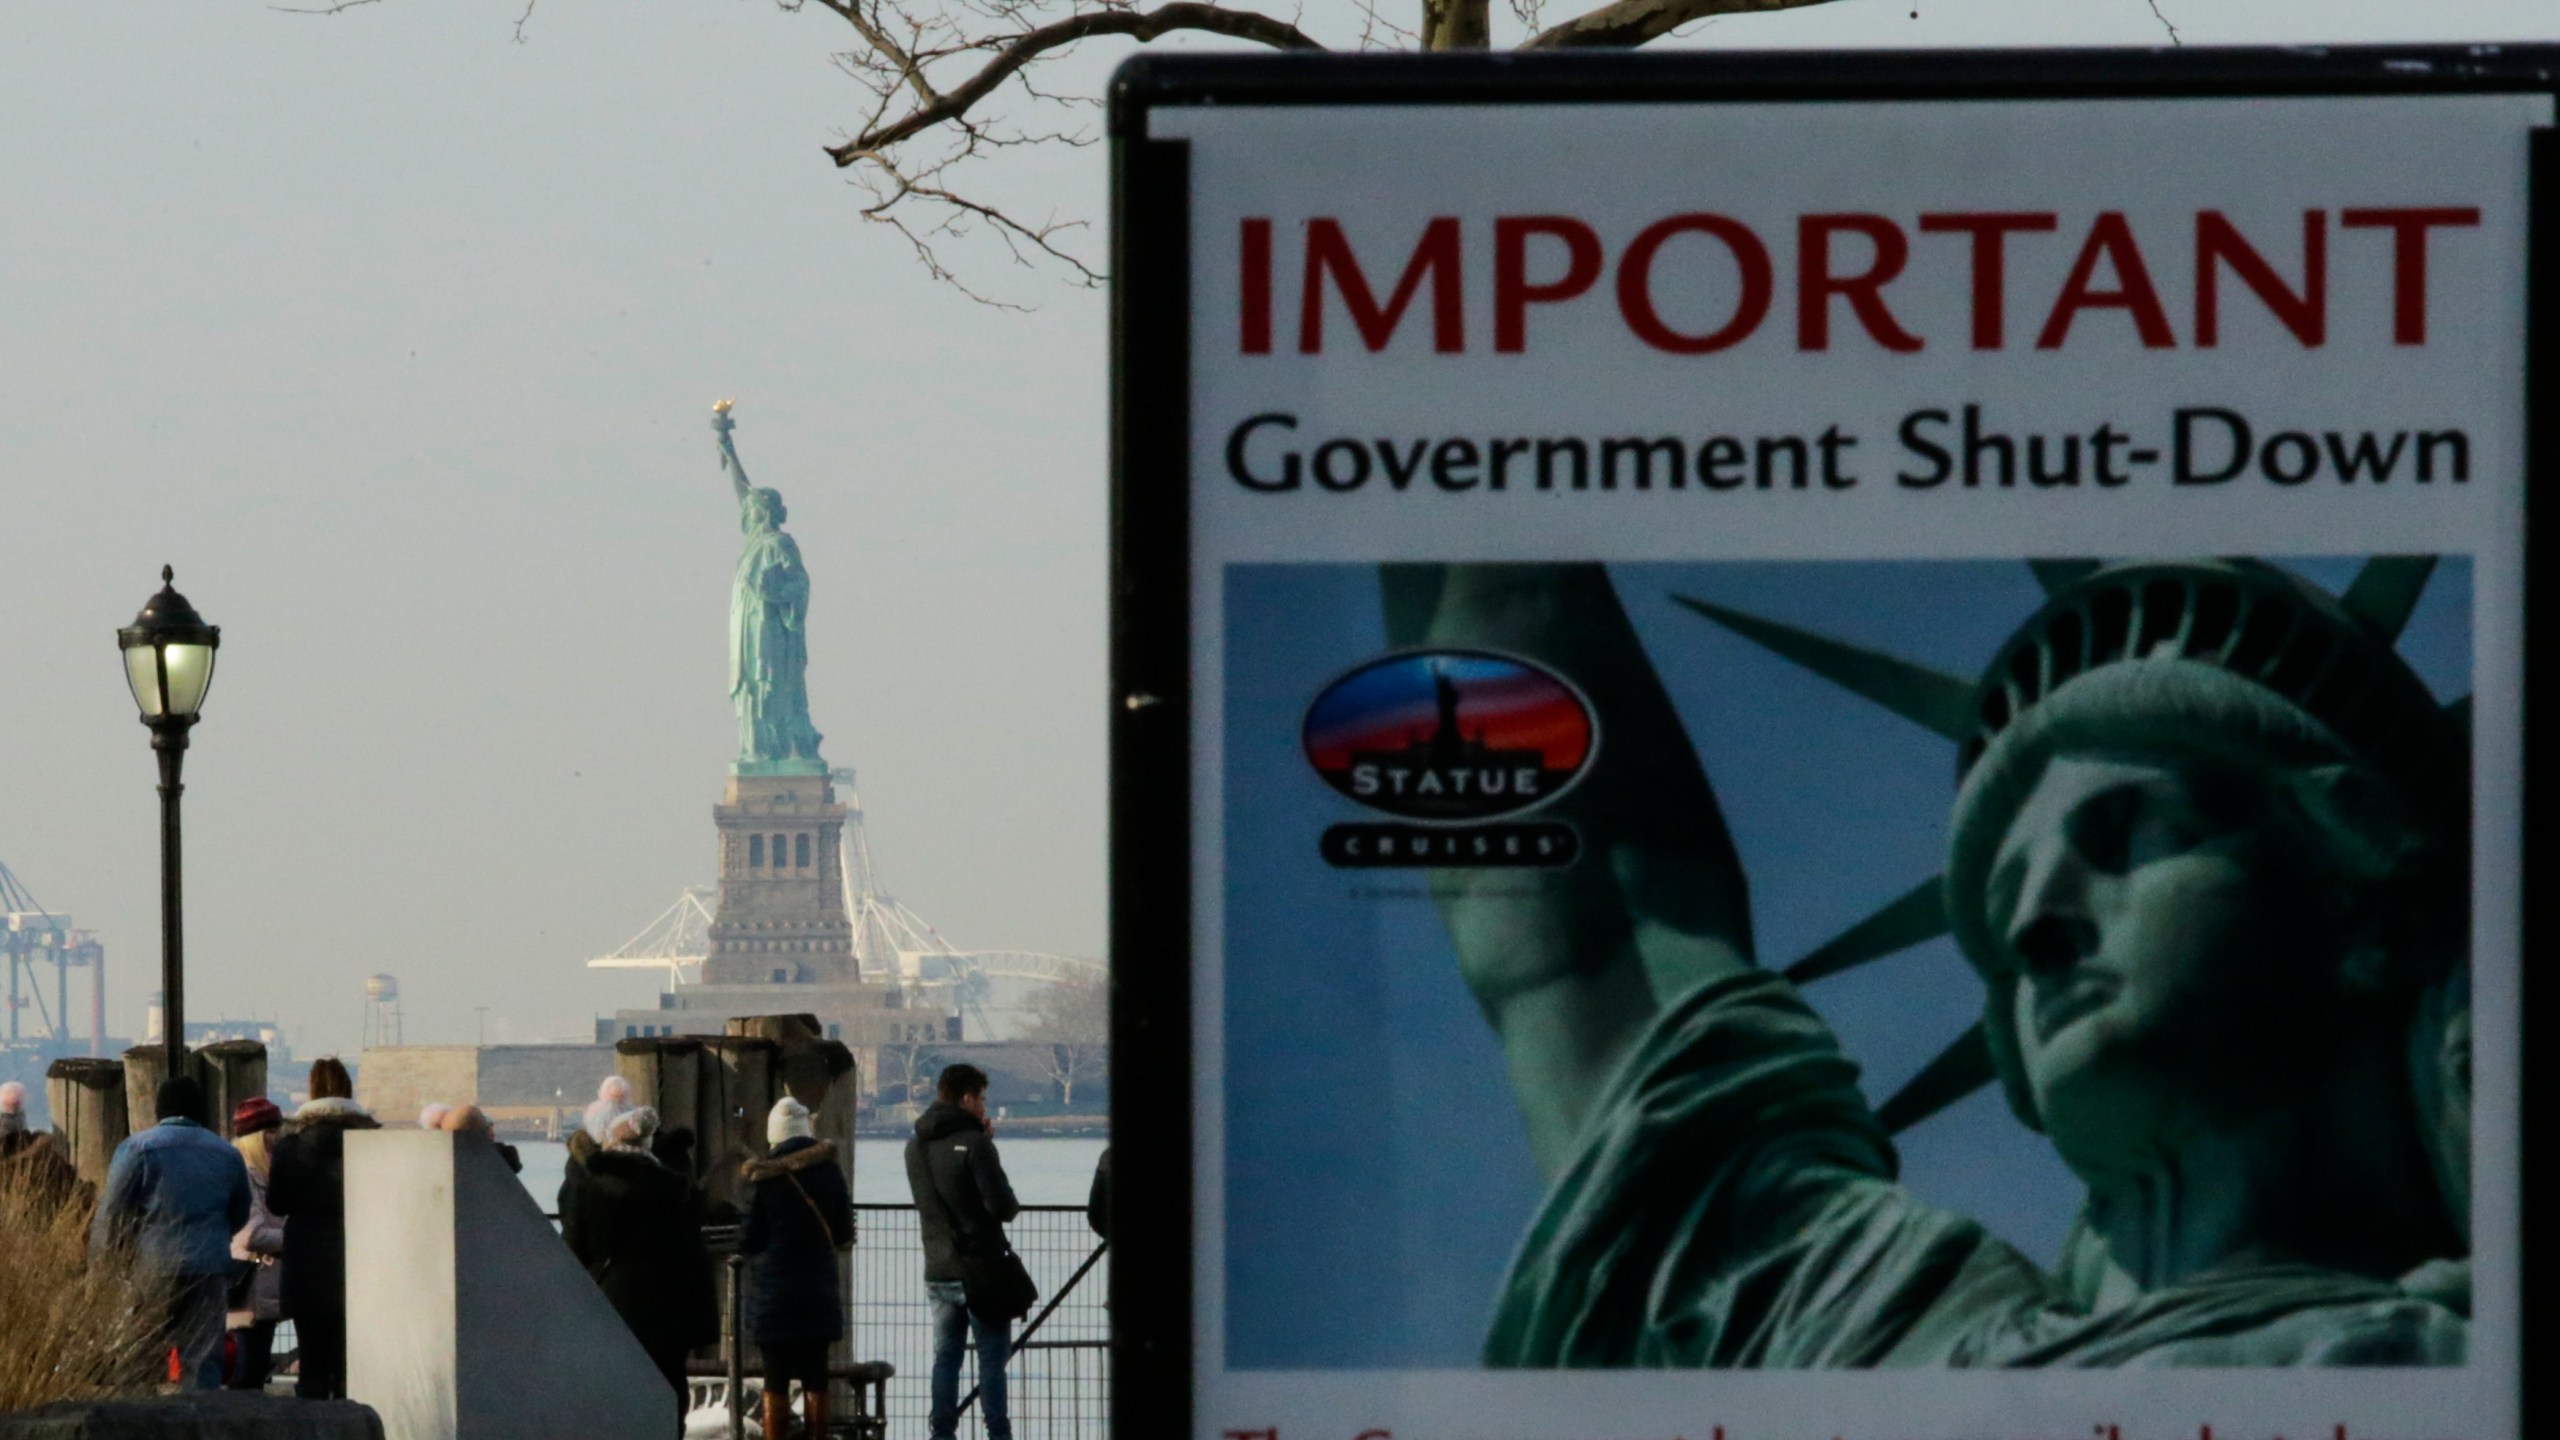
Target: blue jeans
952 1324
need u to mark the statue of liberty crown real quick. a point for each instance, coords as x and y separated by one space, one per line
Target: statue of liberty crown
2328 665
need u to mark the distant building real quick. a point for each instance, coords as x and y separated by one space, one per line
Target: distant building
862 1015
1030 1080
526 1089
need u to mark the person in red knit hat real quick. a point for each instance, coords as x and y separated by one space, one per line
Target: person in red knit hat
257 1297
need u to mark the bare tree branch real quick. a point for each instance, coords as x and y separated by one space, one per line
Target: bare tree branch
1633 22
937 72
909 68
1371 23
2166 24
1032 44
1015 233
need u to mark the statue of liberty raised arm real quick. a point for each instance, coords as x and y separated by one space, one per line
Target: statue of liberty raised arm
2208 856
768 630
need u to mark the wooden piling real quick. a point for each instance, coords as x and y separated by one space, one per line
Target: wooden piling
87 1096
144 1069
719 1087
232 1071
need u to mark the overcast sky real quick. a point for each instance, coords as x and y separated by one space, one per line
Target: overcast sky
397 337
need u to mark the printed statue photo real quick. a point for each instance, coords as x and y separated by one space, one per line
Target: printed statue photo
2208 857
2207 868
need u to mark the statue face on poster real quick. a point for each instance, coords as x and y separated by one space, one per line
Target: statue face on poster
2141 923
2177 947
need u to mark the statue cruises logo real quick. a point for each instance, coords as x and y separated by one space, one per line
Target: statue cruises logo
1448 738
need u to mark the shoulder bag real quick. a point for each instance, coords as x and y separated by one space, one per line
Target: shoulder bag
999 1286
817 1214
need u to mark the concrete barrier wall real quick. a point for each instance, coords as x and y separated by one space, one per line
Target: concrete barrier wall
395 1082
467 1317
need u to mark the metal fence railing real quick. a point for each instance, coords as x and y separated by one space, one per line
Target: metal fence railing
1059 1382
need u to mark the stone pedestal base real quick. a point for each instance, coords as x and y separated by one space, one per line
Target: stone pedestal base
781 918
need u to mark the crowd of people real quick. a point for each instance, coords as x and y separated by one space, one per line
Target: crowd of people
241 1235
630 1211
234 1235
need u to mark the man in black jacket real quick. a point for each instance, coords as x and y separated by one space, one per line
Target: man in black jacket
962 1201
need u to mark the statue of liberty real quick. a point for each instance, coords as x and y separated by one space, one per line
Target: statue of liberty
768 630
2209 856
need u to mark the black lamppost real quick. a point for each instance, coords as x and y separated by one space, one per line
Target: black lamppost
168 660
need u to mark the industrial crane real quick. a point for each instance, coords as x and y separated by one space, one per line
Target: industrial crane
32 937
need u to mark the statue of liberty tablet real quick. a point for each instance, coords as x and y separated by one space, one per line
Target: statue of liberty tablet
2209 857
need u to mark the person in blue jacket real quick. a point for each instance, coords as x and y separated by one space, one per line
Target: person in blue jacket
176 1194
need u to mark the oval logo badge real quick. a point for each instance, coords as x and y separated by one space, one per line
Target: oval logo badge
1450 735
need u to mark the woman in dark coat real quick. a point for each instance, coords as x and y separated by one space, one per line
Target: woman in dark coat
799 1214
631 1221
307 1185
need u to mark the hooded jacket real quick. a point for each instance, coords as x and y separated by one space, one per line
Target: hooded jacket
799 1214
177 1191
962 1196
630 1220
307 1185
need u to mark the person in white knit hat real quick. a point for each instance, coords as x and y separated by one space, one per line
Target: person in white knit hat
613 1097
632 1222
799 1214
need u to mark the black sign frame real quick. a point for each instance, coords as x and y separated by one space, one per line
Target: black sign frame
1152 1217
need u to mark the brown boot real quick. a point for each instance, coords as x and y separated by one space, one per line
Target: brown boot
813 1407
777 1414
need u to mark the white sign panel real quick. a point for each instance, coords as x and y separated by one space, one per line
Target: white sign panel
1851 747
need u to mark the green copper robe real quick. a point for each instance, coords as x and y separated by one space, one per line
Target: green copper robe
1733 1204
769 651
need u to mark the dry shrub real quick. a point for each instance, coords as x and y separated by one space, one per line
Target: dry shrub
77 1327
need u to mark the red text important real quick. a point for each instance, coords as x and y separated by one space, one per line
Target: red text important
1831 279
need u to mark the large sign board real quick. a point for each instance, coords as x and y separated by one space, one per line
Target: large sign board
1827 747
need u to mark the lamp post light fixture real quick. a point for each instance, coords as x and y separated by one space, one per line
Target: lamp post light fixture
168 660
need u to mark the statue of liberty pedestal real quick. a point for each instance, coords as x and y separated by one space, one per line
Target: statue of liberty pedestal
768 630
2209 857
